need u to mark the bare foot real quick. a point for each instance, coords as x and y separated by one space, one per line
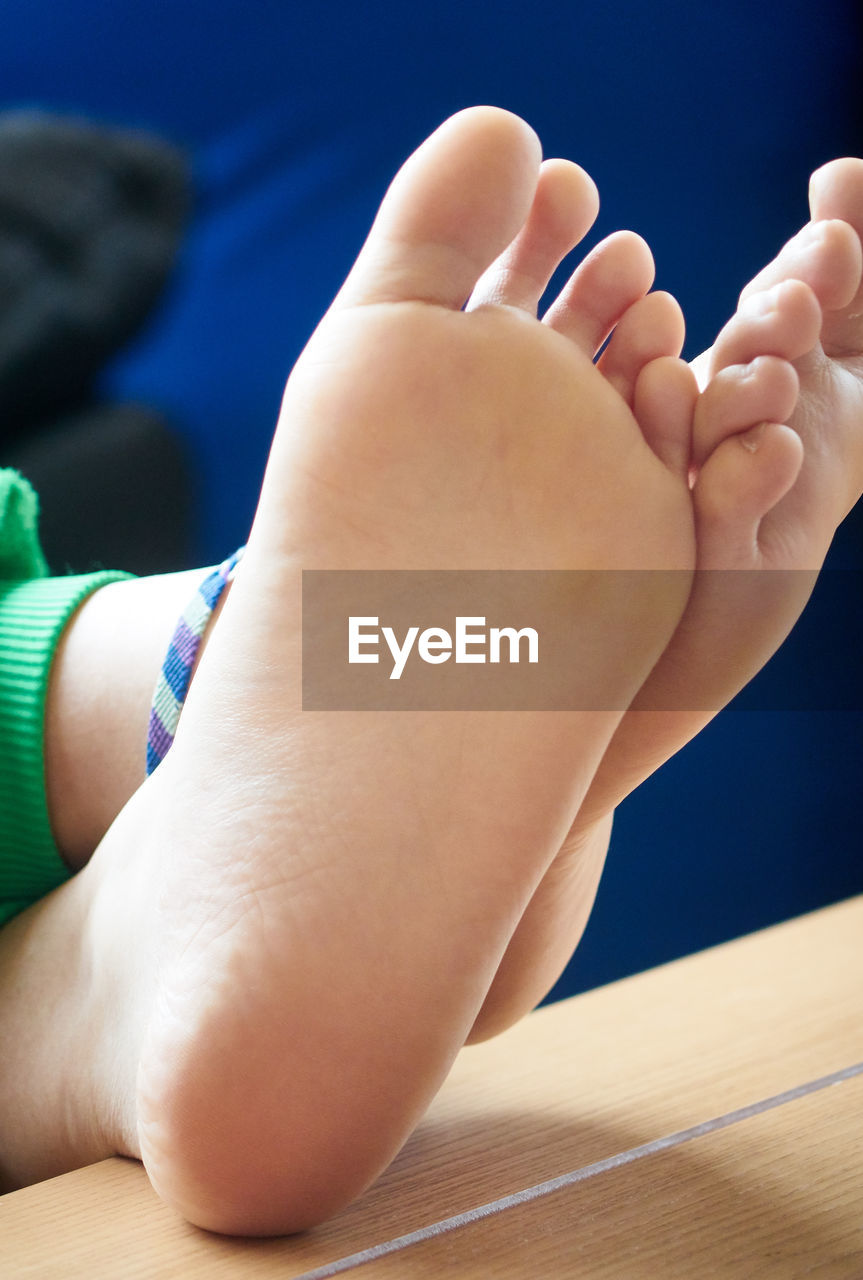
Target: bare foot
262 976
774 498
768 496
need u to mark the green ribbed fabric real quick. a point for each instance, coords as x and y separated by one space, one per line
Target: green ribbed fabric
32 617
20 553
33 614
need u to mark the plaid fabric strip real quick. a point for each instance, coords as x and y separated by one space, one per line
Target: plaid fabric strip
176 674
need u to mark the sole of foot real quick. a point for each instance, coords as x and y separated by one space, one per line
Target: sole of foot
777 454
335 893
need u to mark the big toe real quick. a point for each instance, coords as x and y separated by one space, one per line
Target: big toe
452 208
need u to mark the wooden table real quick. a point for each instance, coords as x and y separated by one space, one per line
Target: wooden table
703 1120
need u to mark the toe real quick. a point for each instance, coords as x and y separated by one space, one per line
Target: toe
738 396
652 327
836 191
451 210
825 255
783 321
664 402
611 278
563 211
739 484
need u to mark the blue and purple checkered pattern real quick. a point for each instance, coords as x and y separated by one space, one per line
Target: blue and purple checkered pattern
176 673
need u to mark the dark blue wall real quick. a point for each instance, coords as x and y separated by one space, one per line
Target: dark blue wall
700 124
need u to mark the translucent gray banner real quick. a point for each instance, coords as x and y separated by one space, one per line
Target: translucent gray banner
574 640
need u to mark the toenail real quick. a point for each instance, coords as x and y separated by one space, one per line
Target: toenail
811 234
761 304
815 241
751 439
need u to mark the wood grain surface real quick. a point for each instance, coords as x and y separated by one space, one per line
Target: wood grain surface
775 1197
575 1083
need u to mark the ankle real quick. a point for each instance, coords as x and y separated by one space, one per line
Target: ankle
98 704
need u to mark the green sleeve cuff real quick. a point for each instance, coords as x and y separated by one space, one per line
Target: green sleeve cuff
20 553
33 615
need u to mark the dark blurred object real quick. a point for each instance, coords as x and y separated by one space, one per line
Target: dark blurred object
90 223
114 491
91 220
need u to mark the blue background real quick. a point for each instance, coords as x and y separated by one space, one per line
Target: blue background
700 124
